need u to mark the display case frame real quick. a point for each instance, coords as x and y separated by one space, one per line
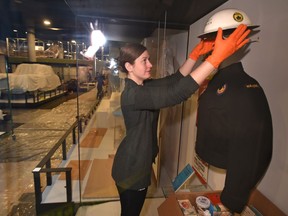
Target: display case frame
6 116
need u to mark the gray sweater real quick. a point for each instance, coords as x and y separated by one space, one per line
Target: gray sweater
140 107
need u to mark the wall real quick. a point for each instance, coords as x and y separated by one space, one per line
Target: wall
266 62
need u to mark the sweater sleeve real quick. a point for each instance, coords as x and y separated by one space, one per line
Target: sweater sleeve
156 97
165 80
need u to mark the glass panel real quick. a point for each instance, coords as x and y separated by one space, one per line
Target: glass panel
106 129
45 128
6 116
70 133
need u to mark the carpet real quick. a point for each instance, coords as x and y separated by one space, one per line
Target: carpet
93 138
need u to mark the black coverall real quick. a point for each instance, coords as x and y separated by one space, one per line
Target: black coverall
234 132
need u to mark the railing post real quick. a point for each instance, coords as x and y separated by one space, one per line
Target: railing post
80 124
26 97
69 185
64 154
37 97
37 187
48 174
74 135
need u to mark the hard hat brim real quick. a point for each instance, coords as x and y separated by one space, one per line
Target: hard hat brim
228 31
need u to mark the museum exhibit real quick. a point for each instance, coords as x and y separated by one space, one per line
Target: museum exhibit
78 132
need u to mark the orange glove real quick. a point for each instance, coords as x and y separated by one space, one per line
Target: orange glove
226 47
201 48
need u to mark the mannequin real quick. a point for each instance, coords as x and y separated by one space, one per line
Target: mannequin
234 130
234 126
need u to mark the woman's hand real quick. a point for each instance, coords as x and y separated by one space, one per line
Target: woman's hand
203 47
224 48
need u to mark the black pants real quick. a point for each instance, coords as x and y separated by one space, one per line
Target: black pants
100 93
131 201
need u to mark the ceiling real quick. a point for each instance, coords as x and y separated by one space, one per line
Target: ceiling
120 20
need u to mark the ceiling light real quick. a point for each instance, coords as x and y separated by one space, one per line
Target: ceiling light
56 29
47 22
97 38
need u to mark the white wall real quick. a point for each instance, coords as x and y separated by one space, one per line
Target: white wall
267 62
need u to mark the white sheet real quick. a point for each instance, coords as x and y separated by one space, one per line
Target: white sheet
32 77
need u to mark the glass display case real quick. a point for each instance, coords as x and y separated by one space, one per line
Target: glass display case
6 120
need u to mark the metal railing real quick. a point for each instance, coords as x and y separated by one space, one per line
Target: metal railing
44 166
18 47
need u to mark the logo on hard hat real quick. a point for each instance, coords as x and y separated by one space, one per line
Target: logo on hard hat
238 17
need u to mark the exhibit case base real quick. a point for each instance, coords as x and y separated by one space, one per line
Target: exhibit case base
257 200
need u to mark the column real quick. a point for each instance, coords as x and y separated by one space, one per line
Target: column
31 44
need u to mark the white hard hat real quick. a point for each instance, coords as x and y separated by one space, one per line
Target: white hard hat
228 20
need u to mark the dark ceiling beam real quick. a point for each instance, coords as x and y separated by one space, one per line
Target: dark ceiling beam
127 18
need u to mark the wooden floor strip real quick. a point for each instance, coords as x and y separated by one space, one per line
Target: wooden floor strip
84 166
94 138
100 183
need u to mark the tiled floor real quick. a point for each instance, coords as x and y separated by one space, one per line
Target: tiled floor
16 179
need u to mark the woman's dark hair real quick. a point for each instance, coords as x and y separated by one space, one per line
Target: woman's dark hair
129 53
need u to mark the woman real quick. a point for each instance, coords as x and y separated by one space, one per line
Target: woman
141 100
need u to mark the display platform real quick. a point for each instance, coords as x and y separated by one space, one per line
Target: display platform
30 99
257 200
